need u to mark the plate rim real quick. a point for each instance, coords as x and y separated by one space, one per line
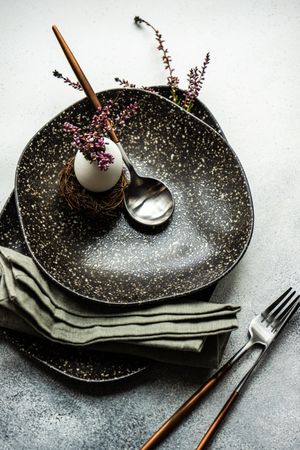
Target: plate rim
153 299
11 335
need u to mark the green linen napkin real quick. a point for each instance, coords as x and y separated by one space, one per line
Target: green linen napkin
174 331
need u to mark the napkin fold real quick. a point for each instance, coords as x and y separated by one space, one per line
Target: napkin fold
174 331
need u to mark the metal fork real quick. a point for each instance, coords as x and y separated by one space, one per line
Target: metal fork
263 330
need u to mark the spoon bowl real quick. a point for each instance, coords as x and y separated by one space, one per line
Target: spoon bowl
148 200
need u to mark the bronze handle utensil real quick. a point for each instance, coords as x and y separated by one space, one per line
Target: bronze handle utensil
263 330
147 200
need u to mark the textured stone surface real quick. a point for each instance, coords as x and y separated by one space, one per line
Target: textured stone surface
253 89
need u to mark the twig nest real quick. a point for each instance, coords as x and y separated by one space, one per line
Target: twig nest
91 177
93 204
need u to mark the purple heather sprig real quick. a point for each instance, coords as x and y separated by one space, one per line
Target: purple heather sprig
103 159
173 80
91 142
204 67
73 84
195 80
125 84
195 76
126 114
101 119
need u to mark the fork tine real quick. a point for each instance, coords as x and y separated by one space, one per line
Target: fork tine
273 306
284 311
285 315
285 303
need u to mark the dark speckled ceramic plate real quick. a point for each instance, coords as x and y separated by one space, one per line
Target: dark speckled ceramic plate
120 263
80 364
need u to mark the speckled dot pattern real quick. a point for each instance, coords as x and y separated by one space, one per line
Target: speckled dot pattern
81 364
11 235
118 263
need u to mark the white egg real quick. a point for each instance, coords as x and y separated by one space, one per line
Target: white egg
94 179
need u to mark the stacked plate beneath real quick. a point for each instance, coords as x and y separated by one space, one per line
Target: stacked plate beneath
123 264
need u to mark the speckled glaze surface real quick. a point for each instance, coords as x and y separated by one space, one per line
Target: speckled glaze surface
82 365
85 365
120 263
200 110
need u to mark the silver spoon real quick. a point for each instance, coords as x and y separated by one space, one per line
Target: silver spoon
147 200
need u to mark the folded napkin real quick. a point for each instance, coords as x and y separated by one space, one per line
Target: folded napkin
173 332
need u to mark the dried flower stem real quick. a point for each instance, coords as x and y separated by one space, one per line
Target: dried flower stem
203 69
124 83
173 80
195 80
91 142
126 114
67 80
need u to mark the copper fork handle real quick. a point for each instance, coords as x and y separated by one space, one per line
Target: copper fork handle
186 408
191 403
212 429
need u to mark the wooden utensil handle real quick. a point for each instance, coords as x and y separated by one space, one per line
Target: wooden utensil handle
189 405
81 76
212 429
186 408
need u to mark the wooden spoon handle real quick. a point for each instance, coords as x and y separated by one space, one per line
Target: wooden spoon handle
81 76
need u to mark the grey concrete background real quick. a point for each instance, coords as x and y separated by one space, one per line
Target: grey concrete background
252 88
